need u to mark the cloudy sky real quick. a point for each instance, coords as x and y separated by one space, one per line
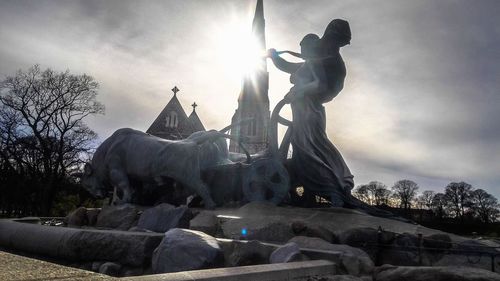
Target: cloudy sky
421 100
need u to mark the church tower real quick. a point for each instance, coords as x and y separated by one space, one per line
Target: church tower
253 101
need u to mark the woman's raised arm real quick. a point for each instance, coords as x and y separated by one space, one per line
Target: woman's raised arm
282 64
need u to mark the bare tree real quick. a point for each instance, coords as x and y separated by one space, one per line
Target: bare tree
439 204
361 192
458 195
43 113
425 199
484 205
373 193
405 191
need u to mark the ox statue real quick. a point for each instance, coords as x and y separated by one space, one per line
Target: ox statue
133 156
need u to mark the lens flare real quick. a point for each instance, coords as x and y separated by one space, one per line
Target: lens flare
238 49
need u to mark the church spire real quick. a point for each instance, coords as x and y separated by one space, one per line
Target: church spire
259 12
253 101
259 30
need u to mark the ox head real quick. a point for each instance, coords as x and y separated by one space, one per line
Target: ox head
91 182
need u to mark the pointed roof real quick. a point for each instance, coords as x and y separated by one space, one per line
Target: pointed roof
196 122
185 125
159 128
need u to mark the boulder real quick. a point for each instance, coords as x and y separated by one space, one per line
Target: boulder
303 228
92 214
131 271
164 217
77 218
121 217
127 248
110 268
96 265
184 249
469 253
205 221
437 246
437 241
436 273
366 238
403 251
269 229
289 252
475 245
249 253
355 261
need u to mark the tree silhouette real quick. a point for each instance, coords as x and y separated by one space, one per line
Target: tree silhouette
484 205
42 133
373 193
458 196
405 191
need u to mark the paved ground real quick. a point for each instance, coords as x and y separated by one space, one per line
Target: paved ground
19 268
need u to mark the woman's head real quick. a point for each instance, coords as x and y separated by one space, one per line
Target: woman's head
337 34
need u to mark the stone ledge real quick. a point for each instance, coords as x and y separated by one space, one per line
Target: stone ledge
297 271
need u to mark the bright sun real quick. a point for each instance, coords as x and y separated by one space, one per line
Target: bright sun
237 47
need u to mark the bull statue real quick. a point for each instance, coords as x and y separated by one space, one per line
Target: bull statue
130 156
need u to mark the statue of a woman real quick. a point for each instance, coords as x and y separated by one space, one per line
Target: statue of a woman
317 165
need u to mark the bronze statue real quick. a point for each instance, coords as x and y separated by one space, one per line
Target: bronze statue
316 164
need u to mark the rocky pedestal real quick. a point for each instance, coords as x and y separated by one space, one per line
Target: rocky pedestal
184 249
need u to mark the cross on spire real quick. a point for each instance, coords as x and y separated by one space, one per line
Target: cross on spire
175 90
194 105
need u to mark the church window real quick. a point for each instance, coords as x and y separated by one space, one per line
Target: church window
172 120
252 127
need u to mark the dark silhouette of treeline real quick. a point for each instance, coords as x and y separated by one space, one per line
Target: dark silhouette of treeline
43 139
459 208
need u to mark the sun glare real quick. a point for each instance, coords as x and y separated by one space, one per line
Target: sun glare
238 50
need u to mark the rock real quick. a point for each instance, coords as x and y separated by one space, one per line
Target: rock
365 238
96 265
302 228
358 236
269 229
165 217
475 245
92 214
77 218
205 221
439 241
127 248
138 229
466 253
335 278
287 253
121 217
184 249
249 253
131 271
110 268
437 273
403 251
355 261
